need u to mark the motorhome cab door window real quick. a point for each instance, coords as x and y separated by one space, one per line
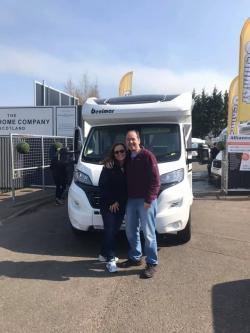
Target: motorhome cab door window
162 139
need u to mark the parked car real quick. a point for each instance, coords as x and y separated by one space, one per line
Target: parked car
203 153
195 152
216 168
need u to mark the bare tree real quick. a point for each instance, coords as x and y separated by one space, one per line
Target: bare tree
83 89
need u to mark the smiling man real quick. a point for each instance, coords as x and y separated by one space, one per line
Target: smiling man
143 184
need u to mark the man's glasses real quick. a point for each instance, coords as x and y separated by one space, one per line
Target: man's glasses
119 151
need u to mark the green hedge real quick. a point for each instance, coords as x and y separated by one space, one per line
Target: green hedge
221 145
23 147
57 145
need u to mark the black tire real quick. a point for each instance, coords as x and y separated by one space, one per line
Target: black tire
77 232
161 238
184 235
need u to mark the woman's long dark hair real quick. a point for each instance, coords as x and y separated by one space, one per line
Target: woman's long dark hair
111 156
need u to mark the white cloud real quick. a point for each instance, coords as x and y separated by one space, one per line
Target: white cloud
167 81
56 71
31 63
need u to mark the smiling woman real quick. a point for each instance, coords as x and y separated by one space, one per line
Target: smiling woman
113 197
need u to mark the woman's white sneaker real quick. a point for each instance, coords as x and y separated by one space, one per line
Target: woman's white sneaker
104 259
111 266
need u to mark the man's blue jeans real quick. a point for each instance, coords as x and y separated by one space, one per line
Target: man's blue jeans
139 217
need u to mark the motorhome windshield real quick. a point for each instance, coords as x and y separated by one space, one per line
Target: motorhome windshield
162 139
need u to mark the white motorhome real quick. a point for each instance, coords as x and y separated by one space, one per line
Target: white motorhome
164 124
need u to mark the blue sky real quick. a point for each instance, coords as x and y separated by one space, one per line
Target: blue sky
172 46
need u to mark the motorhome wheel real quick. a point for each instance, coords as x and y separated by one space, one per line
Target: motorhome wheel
185 235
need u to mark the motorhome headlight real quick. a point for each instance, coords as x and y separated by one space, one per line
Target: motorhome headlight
172 178
81 177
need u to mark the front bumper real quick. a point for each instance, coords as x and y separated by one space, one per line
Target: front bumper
173 209
172 213
79 209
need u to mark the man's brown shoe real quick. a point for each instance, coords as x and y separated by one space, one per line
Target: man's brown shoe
129 263
148 272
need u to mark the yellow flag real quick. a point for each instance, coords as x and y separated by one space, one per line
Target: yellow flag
125 87
232 107
244 74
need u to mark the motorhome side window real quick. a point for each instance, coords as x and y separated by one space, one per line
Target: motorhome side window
162 139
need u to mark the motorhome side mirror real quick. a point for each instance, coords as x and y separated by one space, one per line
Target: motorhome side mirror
191 149
191 160
203 154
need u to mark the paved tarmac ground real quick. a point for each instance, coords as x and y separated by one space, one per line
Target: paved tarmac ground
51 282
25 200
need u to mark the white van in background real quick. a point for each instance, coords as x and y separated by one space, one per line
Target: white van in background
164 124
195 146
216 168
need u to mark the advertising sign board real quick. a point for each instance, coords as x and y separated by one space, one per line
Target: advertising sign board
65 121
239 162
26 120
38 120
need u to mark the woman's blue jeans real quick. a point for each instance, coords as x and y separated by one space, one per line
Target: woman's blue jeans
139 217
112 223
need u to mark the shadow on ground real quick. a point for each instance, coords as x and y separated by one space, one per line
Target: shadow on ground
231 307
55 270
48 232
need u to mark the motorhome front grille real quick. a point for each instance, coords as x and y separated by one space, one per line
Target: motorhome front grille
217 164
92 193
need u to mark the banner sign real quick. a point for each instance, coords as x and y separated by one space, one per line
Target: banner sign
244 74
125 87
232 107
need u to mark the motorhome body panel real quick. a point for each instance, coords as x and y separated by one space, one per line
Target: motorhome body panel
177 110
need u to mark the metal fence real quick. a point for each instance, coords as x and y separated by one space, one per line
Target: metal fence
224 171
5 164
32 168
